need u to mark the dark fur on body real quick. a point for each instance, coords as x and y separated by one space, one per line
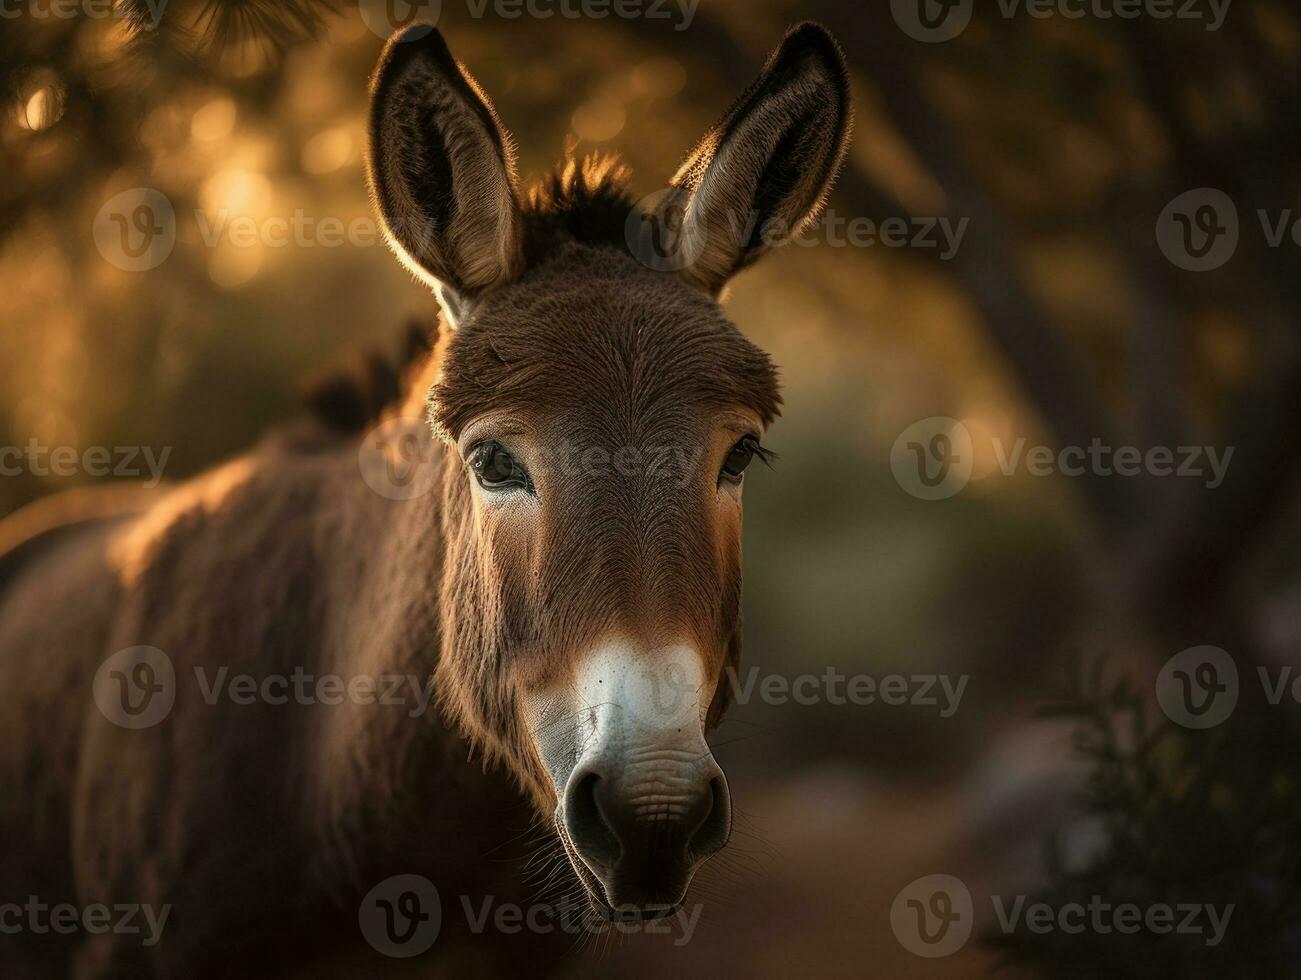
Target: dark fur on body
257 823
262 825
302 565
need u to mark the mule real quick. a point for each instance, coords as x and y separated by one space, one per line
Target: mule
554 553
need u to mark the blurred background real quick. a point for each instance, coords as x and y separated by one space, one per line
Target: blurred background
1057 143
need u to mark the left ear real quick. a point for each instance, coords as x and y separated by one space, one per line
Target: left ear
763 173
442 169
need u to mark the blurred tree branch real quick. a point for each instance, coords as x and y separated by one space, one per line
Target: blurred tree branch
1178 545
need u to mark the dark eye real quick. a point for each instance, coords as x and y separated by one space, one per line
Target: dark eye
741 456
496 469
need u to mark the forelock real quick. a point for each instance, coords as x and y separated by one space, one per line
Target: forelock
592 327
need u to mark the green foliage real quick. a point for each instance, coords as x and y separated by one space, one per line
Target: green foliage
1186 817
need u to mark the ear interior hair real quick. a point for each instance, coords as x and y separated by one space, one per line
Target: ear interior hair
442 170
764 172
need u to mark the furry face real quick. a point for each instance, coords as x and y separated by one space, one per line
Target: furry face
602 421
601 415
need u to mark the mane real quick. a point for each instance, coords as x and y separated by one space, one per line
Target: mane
353 397
581 200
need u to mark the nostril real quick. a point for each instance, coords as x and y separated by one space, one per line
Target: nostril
588 829
713 831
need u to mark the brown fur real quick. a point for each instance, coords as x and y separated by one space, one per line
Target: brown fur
595 351
262 825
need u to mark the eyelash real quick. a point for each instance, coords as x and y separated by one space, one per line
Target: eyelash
750 447
490 451
485 453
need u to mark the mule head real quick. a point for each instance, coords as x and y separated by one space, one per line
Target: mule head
600 413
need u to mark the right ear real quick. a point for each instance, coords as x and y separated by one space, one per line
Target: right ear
763 173
442 170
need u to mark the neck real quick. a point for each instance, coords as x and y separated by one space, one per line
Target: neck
384 771
379 757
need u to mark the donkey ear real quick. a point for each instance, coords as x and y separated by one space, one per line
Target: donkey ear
763 173
442 170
